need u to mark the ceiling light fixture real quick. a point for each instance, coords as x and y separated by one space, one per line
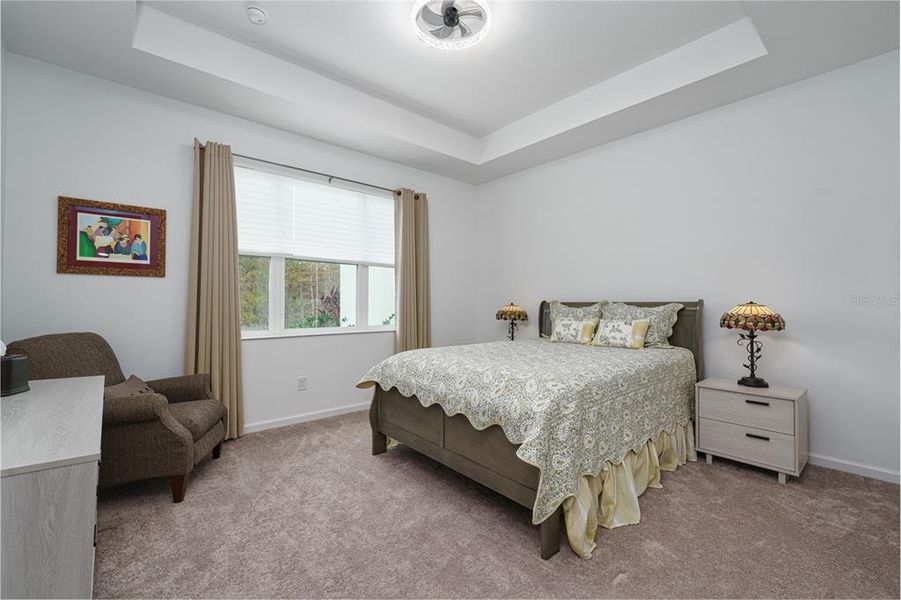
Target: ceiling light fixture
451 24
257 15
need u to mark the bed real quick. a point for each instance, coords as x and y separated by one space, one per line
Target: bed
427 400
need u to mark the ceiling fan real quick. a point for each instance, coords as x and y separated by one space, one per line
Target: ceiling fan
450 24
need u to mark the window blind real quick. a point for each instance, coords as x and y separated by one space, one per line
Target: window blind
291 216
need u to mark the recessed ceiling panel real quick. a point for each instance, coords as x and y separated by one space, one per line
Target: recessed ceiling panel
550 79
535 54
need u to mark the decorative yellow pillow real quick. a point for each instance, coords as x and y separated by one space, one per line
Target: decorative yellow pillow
574 331
621 334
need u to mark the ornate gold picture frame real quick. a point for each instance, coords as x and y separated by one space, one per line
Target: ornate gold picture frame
105 238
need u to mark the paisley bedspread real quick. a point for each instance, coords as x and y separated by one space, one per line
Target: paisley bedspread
571 407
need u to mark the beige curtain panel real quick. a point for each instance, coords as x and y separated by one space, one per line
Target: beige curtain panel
411 235
214 319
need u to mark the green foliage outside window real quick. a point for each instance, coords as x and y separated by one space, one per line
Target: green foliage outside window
253 272
312 294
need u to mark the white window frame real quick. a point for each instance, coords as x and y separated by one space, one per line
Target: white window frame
277 327
277 302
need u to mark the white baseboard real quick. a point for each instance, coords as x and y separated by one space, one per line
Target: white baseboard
310 416
813 458
853 467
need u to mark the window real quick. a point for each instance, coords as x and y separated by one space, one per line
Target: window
319 294
254 274
382 307
314 257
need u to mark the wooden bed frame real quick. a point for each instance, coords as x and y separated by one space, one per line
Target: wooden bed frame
487 456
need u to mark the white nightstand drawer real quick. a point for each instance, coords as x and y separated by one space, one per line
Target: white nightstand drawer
761 412
748 443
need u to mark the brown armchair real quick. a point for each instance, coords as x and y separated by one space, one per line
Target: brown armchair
163 434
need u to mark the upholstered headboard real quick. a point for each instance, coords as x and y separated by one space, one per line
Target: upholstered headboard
686 331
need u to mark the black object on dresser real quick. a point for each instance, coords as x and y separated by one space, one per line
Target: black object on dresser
13 374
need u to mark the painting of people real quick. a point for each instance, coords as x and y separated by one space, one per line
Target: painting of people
110 239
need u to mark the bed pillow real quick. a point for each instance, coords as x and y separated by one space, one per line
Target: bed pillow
621 334
560 311
574 331
662 319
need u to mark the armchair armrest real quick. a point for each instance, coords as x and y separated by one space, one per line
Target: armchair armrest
134 409
183 388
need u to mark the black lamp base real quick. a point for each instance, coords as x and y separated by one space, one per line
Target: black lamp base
756 382
511 333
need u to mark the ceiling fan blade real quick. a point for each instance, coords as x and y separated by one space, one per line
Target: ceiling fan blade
466 31
442 32
446 5
471 12
431 17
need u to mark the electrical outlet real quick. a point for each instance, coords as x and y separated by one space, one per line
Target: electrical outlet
302 384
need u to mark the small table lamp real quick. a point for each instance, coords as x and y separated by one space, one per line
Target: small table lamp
513 313
752 317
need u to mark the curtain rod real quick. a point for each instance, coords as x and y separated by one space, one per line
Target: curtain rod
330 177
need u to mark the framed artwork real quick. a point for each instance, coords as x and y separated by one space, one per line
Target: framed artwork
103 238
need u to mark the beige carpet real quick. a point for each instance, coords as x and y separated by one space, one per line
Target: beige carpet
305 511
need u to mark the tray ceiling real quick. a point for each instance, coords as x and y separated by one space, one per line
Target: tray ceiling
537 53
550 79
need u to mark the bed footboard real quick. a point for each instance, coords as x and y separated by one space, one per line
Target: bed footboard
485 456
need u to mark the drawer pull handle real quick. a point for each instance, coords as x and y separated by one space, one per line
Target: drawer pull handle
757 402
758 437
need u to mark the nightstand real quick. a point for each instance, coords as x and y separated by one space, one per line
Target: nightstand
766 427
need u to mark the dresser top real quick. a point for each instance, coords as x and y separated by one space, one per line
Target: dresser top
774 391
57 422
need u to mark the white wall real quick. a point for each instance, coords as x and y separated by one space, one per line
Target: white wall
789 198
75 135
2 152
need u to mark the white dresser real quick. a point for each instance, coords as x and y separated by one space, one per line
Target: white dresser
766 427
50 462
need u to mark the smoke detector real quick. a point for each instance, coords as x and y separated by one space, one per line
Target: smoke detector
257 14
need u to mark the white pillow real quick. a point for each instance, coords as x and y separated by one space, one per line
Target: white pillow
574 331
560 311
662 319
621 334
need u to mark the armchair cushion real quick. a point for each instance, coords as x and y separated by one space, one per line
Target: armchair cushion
184 388
133 386
198 416
133 409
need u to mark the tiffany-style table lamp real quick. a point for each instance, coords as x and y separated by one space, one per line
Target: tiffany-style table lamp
751 318
513 313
